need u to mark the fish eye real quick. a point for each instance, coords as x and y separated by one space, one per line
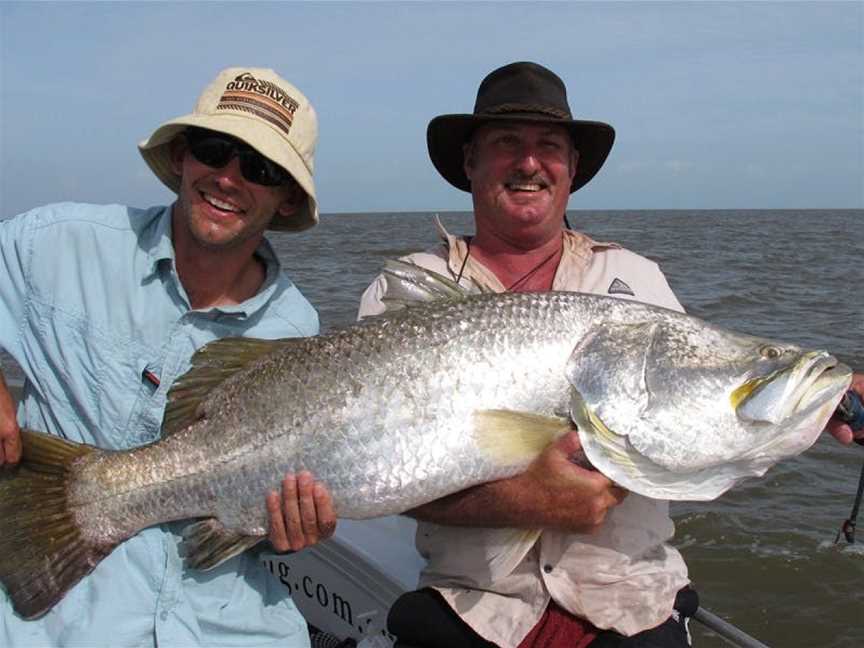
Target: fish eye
770 352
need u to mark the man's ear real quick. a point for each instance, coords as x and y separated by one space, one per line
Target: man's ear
177 152
468 159
292 201
574 162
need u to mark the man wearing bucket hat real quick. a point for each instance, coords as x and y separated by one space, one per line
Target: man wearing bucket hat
103 306
601 572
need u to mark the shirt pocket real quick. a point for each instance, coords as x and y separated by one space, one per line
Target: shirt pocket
144 421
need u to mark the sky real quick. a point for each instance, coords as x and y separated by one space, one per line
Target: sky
716 105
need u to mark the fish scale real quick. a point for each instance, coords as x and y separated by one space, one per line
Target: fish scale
416 404
434 433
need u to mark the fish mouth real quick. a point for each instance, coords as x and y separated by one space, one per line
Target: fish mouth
795 390
831 382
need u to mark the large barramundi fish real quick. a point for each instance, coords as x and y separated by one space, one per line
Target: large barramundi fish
414 405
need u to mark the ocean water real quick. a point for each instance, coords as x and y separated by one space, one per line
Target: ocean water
762 556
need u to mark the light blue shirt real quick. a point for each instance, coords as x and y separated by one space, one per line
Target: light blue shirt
92 309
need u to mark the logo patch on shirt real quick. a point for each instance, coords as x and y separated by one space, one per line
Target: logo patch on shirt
618 287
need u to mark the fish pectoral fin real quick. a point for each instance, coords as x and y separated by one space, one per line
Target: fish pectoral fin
212 364
207 544
510 437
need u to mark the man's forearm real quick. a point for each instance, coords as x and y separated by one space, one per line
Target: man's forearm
521 502
553 493
494 504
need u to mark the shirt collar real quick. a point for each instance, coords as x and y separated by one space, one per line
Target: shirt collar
578 250
154 235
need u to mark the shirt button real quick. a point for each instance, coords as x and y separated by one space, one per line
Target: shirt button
547 568
164 616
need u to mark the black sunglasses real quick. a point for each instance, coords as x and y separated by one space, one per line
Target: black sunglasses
217 149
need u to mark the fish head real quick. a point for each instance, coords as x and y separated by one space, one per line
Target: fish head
790 390
687 396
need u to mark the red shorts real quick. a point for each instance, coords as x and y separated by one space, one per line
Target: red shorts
557 628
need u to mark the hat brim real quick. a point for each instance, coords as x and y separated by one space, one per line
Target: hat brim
156 151
446 135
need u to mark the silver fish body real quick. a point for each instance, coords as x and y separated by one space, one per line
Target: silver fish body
386 414
427 401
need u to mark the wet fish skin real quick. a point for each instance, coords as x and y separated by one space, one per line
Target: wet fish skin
382 413
408 408
726 427
397 397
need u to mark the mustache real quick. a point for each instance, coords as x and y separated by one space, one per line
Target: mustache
533 178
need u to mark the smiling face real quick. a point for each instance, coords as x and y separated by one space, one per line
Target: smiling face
217 208
520 177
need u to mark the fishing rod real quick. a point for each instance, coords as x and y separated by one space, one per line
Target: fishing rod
726 630
851 412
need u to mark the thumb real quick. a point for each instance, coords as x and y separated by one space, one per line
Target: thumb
569 443
571 446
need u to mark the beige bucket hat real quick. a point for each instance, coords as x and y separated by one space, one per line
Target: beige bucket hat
259 107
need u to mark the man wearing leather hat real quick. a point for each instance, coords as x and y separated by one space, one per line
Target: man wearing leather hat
602 572
519 92
103 306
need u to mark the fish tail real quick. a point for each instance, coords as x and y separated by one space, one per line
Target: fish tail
43 552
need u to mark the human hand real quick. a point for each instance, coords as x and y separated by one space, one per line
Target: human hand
10 433
303 516
577 499
840 430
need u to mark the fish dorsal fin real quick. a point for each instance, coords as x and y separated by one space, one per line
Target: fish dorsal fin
508 437
408 284
212 364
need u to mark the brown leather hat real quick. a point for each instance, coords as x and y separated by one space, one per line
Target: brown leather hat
520 91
